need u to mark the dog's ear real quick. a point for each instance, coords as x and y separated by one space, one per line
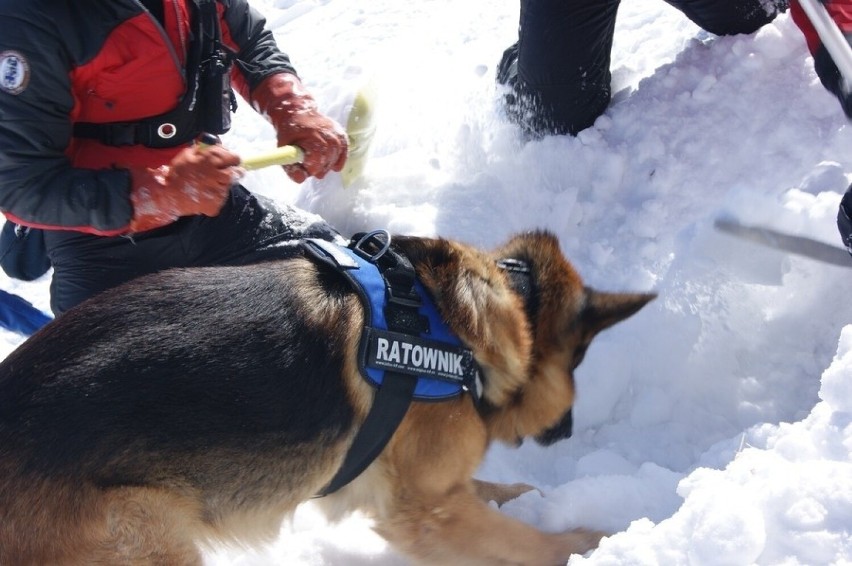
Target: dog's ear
473 297
603 310
598 312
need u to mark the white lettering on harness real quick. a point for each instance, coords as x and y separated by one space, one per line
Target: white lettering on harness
420 357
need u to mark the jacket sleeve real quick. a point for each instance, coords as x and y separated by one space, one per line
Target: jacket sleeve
257 53
38 186
826 68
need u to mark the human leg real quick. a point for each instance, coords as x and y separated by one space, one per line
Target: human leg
559 68
84 264
248 229
730 17
252 228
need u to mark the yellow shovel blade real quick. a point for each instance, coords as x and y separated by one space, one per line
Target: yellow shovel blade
360 127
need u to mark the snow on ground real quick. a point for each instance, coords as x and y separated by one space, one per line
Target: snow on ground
715 427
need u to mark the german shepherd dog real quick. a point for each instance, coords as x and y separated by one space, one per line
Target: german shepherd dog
204 404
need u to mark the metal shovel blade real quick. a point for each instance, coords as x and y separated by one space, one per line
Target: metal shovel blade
799 245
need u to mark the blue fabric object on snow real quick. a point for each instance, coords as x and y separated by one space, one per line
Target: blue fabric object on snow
19 315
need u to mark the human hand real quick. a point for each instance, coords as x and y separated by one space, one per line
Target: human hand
293 112
197 181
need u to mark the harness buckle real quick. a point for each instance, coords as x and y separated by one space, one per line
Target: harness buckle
403 297
119 134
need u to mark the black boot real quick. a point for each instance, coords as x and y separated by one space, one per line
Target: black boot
558 71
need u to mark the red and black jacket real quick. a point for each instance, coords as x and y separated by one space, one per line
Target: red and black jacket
99 61
829 75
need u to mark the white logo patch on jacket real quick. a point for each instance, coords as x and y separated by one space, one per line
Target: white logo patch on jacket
14 72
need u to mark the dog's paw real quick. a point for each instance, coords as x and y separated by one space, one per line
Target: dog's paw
500 493
578 541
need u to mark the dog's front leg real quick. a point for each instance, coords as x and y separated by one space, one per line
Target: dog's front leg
459 528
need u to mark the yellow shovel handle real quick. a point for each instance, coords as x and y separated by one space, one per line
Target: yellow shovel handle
284 155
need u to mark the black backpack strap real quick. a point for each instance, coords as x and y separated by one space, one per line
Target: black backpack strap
216 97
187 121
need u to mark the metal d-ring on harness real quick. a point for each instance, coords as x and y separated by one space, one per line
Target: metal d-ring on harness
373 238
398 313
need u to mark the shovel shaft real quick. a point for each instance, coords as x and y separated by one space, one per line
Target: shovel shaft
285 155
790 243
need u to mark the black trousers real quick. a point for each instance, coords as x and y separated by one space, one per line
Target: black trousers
844 219
559 69
249 229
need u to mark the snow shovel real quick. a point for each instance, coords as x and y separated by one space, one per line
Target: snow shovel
359 127
841 54
799 245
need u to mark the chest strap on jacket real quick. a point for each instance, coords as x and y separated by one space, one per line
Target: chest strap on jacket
207 66
404 320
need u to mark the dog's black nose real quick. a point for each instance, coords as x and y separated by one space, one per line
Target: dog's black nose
557 432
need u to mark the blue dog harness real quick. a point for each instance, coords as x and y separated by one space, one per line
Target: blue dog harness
407 352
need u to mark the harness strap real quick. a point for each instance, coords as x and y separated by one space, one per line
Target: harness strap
394 396
524 283
389 407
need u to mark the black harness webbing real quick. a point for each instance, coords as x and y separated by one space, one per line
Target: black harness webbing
397 390
401 311
389 407
206 66
524 283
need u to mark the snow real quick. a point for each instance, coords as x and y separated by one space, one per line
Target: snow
714 427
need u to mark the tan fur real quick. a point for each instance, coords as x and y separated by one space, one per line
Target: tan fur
420 490
90 526
438 513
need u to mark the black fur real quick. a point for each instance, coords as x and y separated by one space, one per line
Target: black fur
226 370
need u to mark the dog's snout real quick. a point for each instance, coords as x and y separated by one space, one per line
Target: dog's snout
559 431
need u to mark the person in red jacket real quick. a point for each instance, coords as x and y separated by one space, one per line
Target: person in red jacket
826 68
832 79
101 106
558 72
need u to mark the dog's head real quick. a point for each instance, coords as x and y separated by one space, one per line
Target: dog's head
529 319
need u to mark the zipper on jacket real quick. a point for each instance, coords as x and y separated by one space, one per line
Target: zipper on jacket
167 40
